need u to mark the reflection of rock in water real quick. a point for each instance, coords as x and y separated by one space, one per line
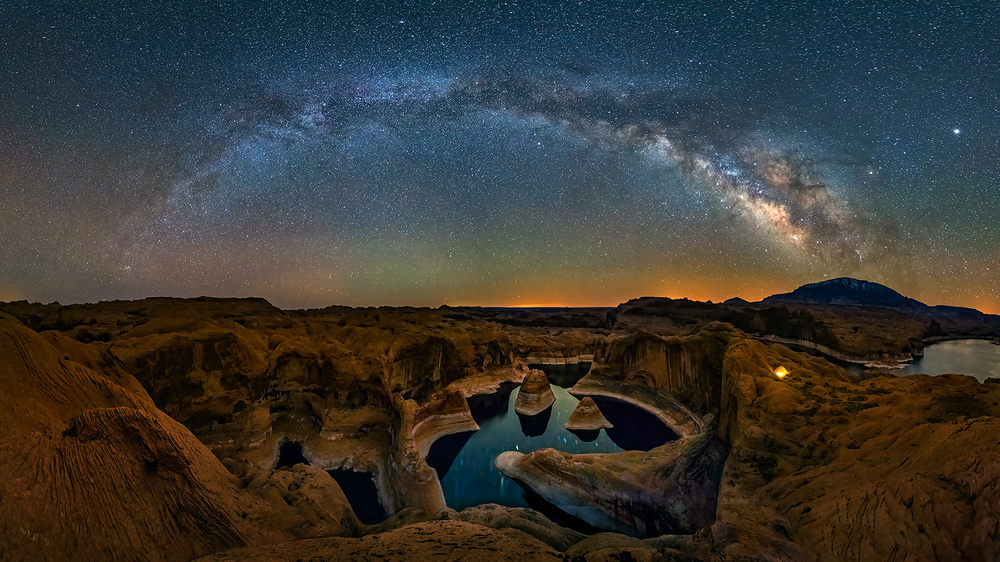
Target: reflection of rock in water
487 406
554 514
564 375
290 454
533 426
444 451
586 435
634 429
362 494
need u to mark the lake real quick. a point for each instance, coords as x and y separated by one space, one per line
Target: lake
976 358
464 461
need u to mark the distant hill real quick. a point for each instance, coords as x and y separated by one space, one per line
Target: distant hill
849 291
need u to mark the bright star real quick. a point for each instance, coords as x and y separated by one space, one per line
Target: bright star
956 131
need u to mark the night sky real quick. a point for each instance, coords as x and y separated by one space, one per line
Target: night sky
561 153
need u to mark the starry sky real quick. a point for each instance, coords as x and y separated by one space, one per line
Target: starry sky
497 153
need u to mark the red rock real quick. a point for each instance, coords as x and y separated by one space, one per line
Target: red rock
587 416
535 394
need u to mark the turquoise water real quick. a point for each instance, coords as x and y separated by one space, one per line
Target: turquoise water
464 462
976 358
471 479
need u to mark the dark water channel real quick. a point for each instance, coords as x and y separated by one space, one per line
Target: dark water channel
362 494
359 487
464 461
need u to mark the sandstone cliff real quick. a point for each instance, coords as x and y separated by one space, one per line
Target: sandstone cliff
150 430
90 469
689 367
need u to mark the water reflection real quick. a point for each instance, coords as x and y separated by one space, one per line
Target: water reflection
534 426
632 426
564 375
976 358
486 406
465 463
586 435
442 455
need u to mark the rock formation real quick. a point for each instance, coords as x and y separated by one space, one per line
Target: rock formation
669 490
535 394
151 430
850 319
689 367
91 469
813 450
533 426
587 417
432 540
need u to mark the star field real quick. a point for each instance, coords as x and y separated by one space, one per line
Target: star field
515 153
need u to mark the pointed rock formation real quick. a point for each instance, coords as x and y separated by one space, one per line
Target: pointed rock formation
587 416
535 394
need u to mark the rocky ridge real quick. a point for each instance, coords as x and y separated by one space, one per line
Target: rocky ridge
174 412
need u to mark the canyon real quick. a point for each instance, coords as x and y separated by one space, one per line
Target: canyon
155 429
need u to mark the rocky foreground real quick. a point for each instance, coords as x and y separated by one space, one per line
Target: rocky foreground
151 430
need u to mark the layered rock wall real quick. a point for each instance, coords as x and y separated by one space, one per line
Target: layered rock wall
688 367
90 469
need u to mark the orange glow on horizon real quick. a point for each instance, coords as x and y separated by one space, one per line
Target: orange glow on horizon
694 295
543 305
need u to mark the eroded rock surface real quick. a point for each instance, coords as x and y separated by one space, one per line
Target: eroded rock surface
432 540
667 490
587 417
824 463
688 367
535 394
91 469
116 417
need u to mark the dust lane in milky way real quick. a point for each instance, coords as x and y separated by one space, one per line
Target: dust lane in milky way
435 152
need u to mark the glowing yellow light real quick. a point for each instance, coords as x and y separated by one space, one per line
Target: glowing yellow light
780 372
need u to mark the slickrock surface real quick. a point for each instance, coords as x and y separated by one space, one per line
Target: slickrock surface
668 490
90 469
587 416
829 466
433 540
150 430
535 394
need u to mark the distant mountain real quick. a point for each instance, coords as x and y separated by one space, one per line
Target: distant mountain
850 291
